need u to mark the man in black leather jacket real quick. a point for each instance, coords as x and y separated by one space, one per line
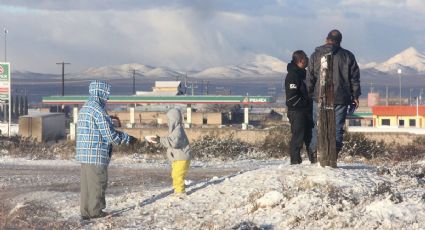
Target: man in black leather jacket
346 79
299 107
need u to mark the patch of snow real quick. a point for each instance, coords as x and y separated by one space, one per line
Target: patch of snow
270 199
271 195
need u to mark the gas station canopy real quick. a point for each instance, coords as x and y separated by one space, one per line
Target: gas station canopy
245 100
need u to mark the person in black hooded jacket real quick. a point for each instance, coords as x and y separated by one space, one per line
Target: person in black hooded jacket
299 107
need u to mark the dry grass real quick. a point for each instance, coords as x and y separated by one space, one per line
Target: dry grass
277 142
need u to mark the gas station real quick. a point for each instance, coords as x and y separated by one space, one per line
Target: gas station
132 101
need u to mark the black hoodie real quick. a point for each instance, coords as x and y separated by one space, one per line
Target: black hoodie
296 91
346 74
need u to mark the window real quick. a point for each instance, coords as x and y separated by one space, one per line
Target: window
354 122
412 122
385 122
401 123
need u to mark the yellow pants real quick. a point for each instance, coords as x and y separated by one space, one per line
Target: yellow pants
178 173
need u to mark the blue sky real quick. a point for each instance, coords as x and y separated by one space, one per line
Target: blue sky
200 33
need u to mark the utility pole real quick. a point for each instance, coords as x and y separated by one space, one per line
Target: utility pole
386 95
185 85
399 77
326 136
134 81
63 75
5 45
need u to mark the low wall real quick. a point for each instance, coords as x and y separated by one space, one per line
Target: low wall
392 138
258 136
391 135
249 136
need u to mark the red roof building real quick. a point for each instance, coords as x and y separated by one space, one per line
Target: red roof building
400 116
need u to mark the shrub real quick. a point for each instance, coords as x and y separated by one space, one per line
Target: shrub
414 150
356 144
26 147
277 142
223 148
139 147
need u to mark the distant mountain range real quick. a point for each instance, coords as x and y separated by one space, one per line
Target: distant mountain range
257 65
410 61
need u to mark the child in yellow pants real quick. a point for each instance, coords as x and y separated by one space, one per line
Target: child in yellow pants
178 173
178 150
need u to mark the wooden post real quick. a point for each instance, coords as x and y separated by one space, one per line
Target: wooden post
326 136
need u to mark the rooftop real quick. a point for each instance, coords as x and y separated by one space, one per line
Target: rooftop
398 110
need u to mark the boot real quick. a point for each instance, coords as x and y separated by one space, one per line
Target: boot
312 156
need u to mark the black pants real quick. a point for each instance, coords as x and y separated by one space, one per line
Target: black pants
301 129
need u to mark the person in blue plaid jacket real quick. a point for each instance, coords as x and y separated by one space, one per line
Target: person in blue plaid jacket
95 137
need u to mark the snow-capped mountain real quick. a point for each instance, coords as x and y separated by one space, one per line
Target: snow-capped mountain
255 66
125 71
409 61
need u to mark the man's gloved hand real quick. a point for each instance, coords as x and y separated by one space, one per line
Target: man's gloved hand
133 140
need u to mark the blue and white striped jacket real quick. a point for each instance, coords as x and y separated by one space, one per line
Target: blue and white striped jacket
95 132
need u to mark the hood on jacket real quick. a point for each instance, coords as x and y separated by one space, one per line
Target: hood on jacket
292 67
327 48
174 119
100 89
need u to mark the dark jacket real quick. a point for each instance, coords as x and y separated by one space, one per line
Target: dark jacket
346 74
296 91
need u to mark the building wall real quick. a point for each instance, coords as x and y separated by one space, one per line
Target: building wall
372 99
394 121
214 118
197 118
47 127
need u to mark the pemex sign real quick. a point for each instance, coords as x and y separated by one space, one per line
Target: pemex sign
4 81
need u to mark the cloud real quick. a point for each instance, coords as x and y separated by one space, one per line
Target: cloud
200 33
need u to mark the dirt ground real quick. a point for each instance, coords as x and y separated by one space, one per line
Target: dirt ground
22 183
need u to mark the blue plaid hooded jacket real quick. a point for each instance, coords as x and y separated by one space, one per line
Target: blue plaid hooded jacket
95 132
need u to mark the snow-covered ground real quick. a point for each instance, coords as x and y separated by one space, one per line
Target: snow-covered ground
264 194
